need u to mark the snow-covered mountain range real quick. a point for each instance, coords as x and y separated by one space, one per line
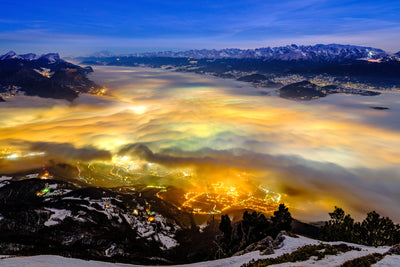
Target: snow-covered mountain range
319 52
50 58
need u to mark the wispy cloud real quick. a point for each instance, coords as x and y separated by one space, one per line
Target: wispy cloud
160 25
42 41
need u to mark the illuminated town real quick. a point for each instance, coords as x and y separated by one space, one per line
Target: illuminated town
221 198
214 198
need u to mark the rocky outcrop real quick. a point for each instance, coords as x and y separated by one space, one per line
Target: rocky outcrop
266 246
394 250
279 239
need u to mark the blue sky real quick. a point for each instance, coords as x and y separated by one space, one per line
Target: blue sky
81 27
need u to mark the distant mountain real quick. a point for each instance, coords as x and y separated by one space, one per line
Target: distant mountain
46 58
50 58
316 53
45 76
29 56
8 55
355 63
103 53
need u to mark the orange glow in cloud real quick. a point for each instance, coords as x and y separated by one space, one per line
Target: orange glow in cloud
317 154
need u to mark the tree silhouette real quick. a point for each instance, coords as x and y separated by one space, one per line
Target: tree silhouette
339 228
373 231
282 219
377 231
226 227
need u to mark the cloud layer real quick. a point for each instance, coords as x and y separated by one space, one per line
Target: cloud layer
198 131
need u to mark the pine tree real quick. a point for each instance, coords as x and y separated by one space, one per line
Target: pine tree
373 231
282 219
226 227
254 227
377 231
339 228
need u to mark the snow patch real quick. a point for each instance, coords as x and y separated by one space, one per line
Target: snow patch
71 198
51 261
167 241
202 227
29 56
57 216
51 57
33 175
5 178
388 261
53 186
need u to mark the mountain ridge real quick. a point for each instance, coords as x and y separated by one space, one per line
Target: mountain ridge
329 52
46 76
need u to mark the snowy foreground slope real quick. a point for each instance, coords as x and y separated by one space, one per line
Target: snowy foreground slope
289 245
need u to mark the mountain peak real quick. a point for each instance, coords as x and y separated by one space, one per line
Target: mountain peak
103 53
51 57
29 56
8 55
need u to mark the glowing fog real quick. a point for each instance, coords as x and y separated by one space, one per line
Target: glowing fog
199 134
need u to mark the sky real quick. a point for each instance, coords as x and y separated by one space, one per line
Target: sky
82 27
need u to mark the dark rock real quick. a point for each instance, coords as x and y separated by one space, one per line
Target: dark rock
253 78
394 250
379 108
88 69
265 245
279 239
268 251
302 90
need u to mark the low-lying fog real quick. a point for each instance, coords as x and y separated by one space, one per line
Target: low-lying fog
317 154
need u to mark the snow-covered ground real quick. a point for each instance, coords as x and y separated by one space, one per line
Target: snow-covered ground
289 245
4 180
53 261
389 261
